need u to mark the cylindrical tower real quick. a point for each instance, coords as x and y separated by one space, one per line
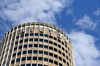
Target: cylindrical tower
36 44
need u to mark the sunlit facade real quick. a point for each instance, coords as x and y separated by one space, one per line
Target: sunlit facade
36 44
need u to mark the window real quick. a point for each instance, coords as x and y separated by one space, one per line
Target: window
66 51
14 54
55 49
41 34
35 45
40 52
30 45
29 51
55 38
59 51
35 51
46 35
55 62
51 61
28 58
58 40
24 58
26 35
46 53
60 58
41 40
24 52
45 46
31 34
34 58
19 53
50 42
40 45
12 61
50 36
50 48
45 59
36 39
64 61
63 54
50 54
60 64
67 63
22 36
55 56
36 34
21 41
28 64
65 45
15 48
26 40
40 58
16 42
17 37
66 57
31 39
18 60
23 65
46 41
25 46
62 48
59 46
20 47
55 44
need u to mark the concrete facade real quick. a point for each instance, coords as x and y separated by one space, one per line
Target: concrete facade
36 44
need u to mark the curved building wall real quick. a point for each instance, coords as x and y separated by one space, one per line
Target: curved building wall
36 44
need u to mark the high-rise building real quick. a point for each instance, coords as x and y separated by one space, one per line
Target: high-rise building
36 44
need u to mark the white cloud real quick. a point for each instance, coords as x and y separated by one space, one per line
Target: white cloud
85 51
97 12
69 11
21 11
86 22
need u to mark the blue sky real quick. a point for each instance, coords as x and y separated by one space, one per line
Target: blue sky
79 19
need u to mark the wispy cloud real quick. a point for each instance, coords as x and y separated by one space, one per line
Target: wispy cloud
86 53
97 12
86 23
69 11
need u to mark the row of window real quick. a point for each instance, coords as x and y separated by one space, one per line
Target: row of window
41 46
37 34
40 40
37 58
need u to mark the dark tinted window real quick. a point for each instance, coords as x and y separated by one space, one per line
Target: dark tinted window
23 65
35 51
50 36
60 64
41 34
66 57
41 40
31 39
51 48
18 60
55 56
64 61
34 58
35 45
31 34
28 58
25 46
16 42
60 58
22 36
55 38
30 45
28 64
36 34
45 46
20 47
55 62
59 52
14 54
17 37
51 61
40 52
46 35
50 42
15 48
50 54
19 53
26 34
46 41
63 54
62 48
40 45
67 63
45 59
59 46
36 39
24 58
29 51
12 61
55 49
21 41
40 58
55 44
24 52
26 40
46 53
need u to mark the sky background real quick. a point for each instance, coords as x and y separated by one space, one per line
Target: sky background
79 19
